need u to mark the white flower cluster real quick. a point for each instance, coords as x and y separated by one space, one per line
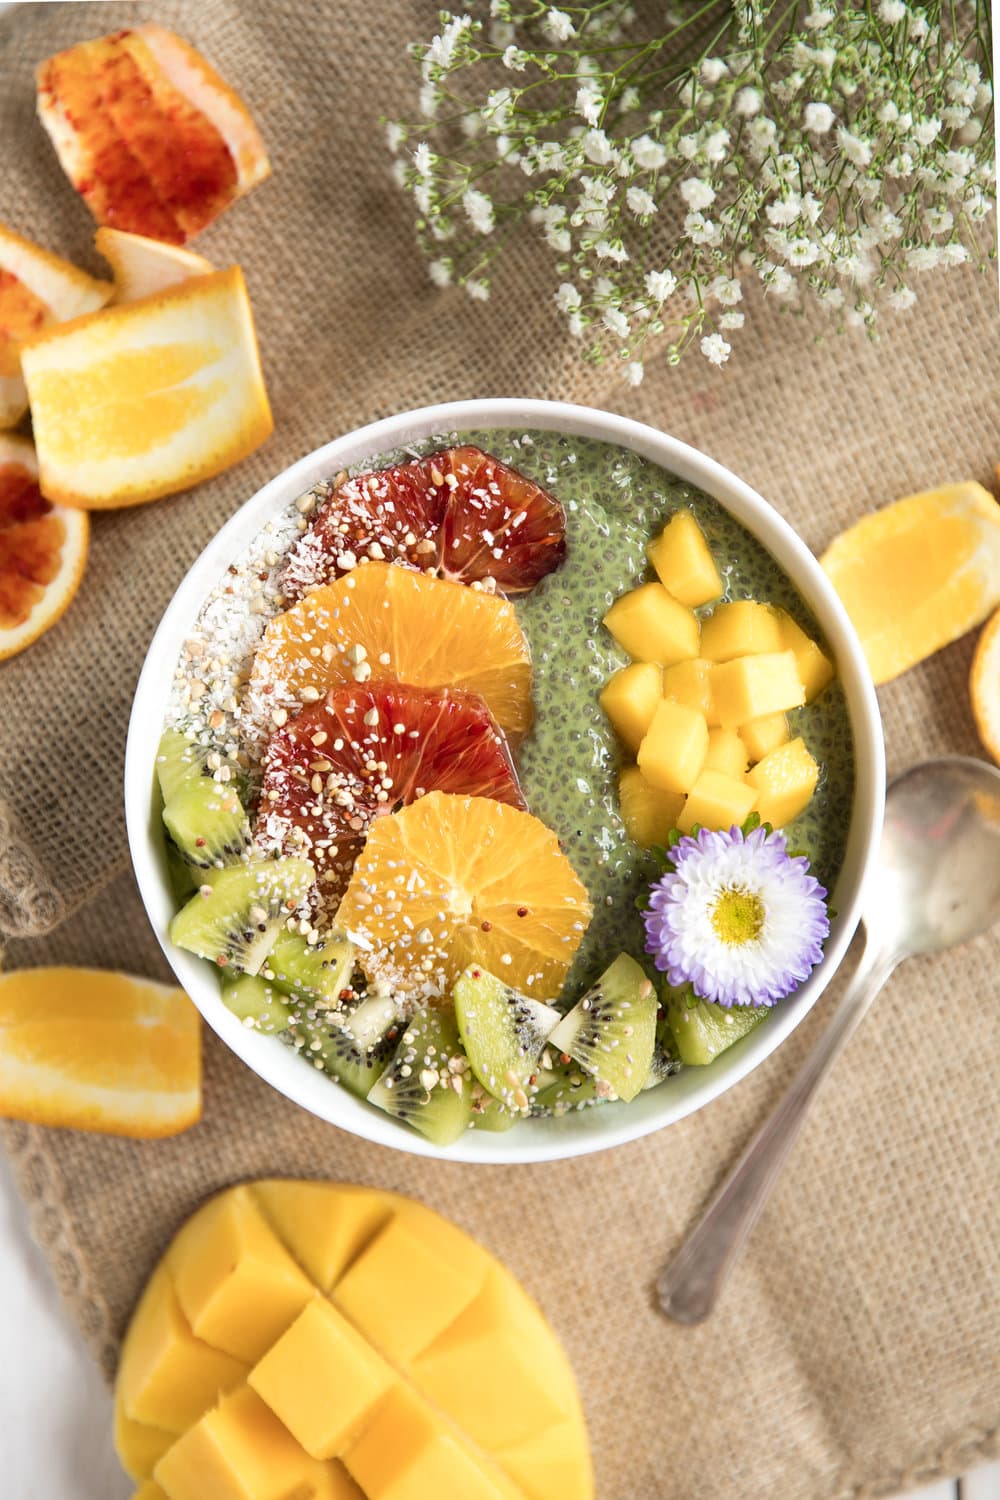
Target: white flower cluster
839 162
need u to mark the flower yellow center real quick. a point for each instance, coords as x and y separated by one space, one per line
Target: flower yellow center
738 916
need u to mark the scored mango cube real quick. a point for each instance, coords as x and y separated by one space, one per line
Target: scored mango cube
726 753
743 628
674 749
690 682
325 1231
629 699
716 801
139 1447
551 1463
322 1379
761 736
648 812
408 1453
651 626
783 783
814 667
237 1284
683 562
752 686
238 1451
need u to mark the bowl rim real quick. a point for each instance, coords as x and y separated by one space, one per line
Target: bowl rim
579 1132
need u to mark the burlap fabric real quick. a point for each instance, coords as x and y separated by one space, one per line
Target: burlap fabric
855 1352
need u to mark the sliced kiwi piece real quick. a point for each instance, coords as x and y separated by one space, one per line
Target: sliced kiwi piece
183 880
236 919
354 1048
503 1033
488 1113
207 823
419 1087
701 1030
571 1089
318 973
179 762
610 1032
259 1005
666 1060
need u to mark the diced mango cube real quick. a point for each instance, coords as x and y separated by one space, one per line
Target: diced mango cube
751 686
377 1292
783 782
324 1225
239 1451
648 812
236 1282
726 753
331 1481
761 736
651 626
683 562
674 748
814 667
716 801
690 682
170 1375
408 1453
482 1371
551 1463
322 1379
743 628
139 1447
629 699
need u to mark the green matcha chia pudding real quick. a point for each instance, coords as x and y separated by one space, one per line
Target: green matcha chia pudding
292 793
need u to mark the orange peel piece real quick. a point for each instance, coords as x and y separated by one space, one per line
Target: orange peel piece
43 550
90 1049
918 574
37 289
147 398
142 267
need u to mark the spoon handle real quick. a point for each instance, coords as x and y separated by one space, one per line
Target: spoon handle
688 1285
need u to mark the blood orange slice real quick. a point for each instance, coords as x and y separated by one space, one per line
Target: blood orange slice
365 751
43 549
460 513
389 624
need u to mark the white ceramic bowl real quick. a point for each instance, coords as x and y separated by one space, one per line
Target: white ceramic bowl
580 1131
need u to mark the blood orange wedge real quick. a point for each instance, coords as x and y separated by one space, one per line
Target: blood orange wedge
453 881
96 1050
143 267
36 289
390 624
43 550
460 513
148 133
363 752
148 398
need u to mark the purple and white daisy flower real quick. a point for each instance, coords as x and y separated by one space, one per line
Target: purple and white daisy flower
738 918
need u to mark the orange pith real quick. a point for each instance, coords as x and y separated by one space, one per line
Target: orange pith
95 1050
43 550
391 624
452 881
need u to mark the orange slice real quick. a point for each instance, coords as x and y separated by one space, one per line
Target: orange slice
148 398
36 289
984 687
918 573
43 550
148 133
451 881
96 1050
388 623
142 267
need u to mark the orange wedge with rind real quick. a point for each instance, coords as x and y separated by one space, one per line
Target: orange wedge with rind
984 686
918 574
37 289
142 267
451 881
147 398
91 1049
43 550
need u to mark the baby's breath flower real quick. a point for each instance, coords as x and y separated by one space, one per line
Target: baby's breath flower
749 102
479 210
589 103
648 154
640 202
817 117
634 372
660 285
558 26
515 59
567 297
440 272
715 348
696 193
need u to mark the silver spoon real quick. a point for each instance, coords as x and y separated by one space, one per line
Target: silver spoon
935 883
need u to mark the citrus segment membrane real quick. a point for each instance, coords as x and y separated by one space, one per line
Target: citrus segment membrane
459 513
383 623
364 751
147 398
43 550
452 881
